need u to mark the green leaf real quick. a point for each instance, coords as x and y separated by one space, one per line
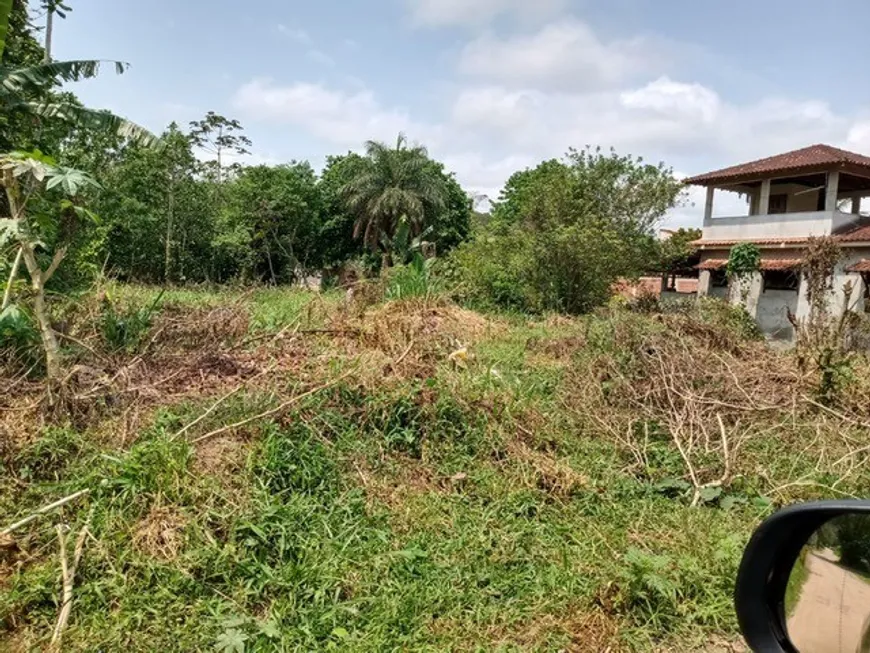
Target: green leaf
270 629
92 119
762 502
672 486
710 494
231 641
340 633
5 12
731 500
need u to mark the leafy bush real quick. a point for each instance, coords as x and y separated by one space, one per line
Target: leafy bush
564 232
662 590
413 280
125 329
19 339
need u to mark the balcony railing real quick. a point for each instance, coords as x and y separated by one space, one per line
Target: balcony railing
777 225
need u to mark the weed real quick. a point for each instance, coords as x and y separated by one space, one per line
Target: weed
125 329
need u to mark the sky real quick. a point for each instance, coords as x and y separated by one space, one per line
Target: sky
492 86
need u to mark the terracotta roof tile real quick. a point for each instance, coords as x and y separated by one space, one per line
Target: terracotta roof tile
814 156
767 264
861 266
857 233
797 240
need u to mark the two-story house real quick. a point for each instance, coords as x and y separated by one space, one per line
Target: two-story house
814 191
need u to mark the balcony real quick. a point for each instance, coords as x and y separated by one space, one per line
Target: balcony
776 226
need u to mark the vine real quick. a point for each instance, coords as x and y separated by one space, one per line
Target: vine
744 260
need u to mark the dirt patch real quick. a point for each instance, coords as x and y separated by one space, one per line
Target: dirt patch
185 328
395 485
410 338
161 533
222 457
587 632
545 471
558 348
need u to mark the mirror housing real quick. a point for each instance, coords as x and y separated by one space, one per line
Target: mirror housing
766 566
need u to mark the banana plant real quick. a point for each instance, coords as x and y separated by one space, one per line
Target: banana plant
19 87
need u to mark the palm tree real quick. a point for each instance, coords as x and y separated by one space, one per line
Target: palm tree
19 85
397 184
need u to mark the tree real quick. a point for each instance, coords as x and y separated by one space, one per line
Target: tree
19 85
563 232
52 7
42 198
274 217
451 223
395 183
158 214
336 243
216 135
676 251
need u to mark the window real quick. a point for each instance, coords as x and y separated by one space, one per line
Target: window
865 276
781 280
778 203
719 278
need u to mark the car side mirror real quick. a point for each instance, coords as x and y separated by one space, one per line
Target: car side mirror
804 581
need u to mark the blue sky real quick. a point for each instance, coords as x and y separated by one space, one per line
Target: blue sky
491 86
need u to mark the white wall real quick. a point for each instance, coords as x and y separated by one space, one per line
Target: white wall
784 225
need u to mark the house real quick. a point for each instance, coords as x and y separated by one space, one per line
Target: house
814 191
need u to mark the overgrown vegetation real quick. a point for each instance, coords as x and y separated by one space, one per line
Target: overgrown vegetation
564 232
226 461
421 476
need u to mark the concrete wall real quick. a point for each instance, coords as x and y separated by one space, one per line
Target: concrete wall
841 278
772 317
785 225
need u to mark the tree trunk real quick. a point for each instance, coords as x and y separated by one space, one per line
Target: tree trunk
7 296
40 311
170 219
49 29
219 149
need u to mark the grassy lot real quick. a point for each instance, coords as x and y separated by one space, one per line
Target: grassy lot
455 481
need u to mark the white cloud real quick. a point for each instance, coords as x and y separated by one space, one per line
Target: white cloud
296 34
669 98
859 138
320 57
441 13
481 175
490 132
562 55
337 117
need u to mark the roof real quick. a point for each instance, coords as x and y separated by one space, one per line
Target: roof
861 266
859 232
814 157
767 264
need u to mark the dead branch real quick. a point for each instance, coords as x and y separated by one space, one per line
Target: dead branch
43 510
274 411
222 400
404 355
68 574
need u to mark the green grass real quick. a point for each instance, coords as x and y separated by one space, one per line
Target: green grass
475 509
796 580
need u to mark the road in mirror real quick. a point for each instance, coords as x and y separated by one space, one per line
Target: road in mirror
827 601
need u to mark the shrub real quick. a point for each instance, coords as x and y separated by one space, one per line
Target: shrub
124 329
565 231
19 339
416 279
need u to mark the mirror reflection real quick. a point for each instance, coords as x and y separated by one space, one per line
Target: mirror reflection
827 601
